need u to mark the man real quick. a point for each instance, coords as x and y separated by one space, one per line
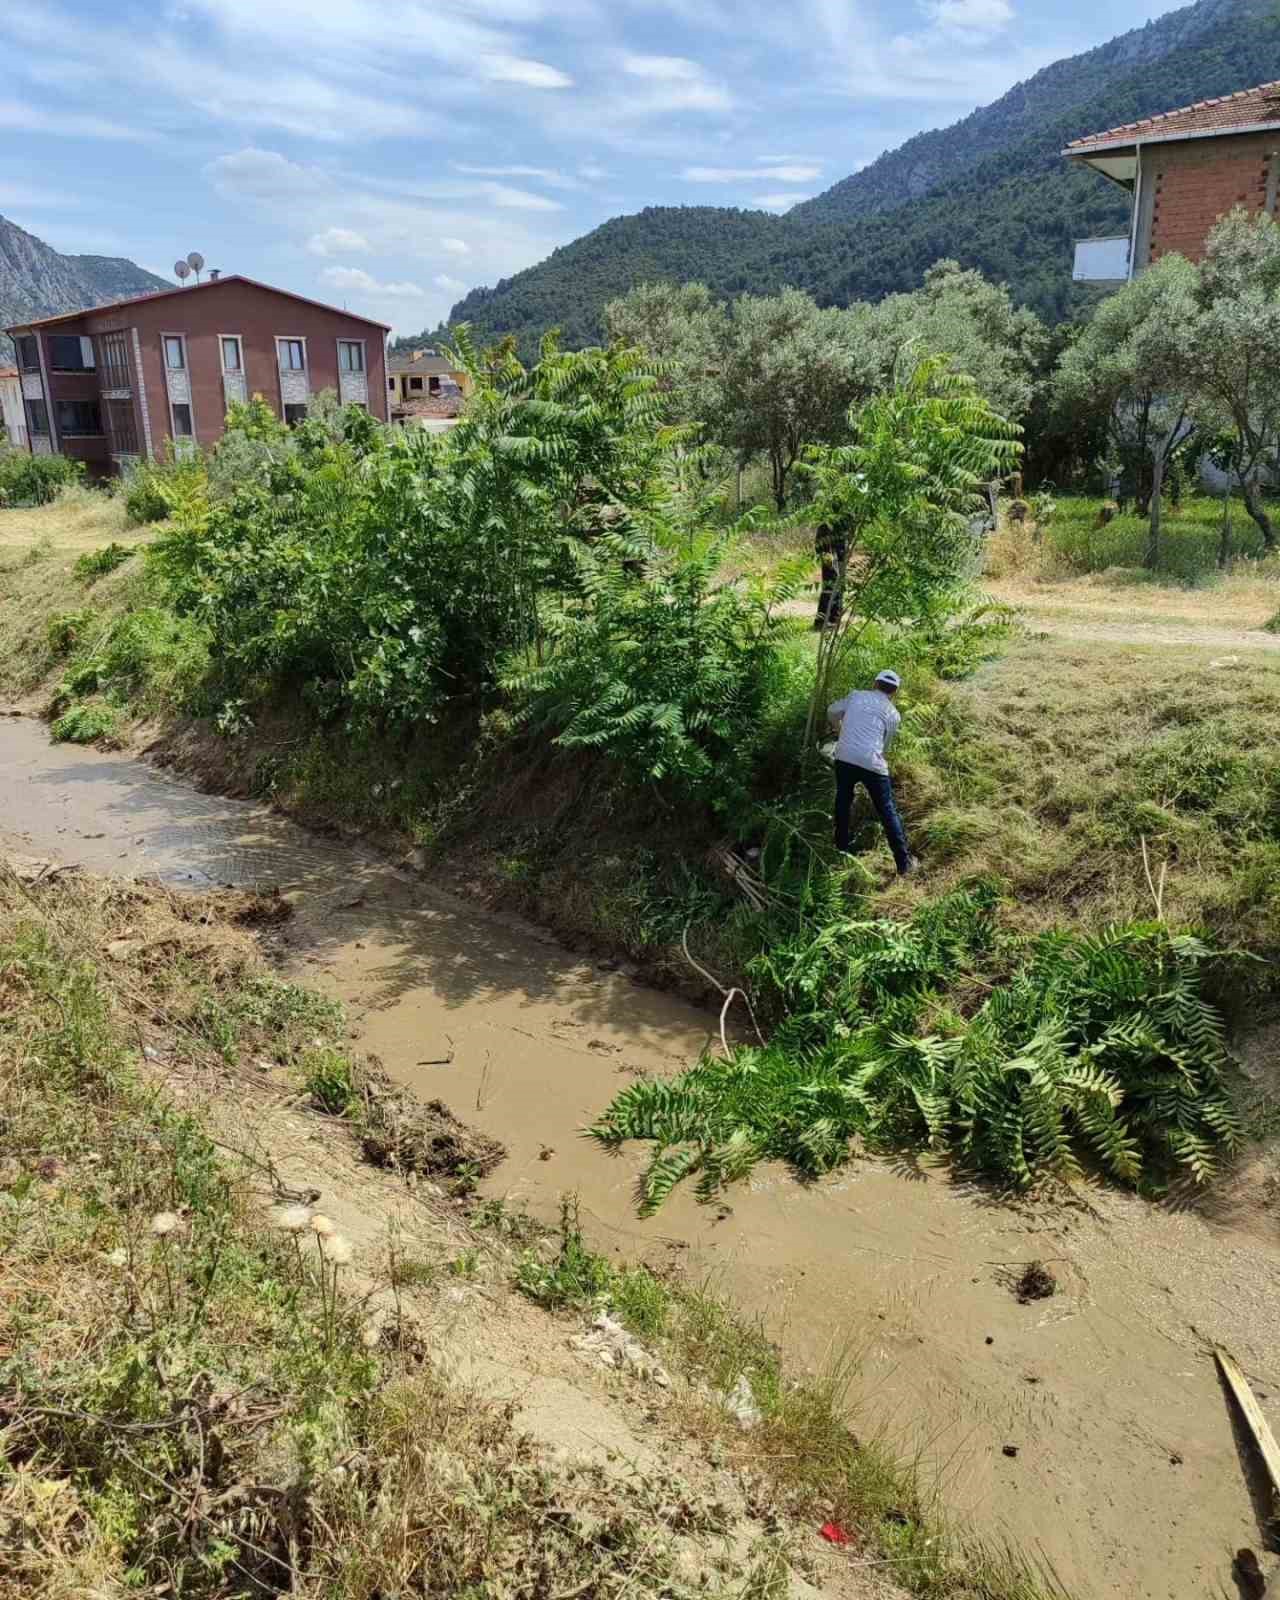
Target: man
866 722
831 548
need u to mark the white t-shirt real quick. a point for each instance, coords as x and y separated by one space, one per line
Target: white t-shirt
869 721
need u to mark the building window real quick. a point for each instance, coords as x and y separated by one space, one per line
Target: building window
293 355
416 385
113 361
70 353
37 417
122 428
350 355
433 384
175 352
79 419
293 415
232 359
182 428
391 384
28 352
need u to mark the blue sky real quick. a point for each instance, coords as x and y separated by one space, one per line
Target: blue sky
390 154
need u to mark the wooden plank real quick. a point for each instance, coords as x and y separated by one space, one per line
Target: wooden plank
1259 1427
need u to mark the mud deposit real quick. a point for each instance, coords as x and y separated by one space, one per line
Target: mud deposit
1125 1476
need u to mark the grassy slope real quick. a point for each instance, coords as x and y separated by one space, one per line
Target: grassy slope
193 1398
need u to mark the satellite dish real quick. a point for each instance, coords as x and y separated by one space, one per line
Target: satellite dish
195 261
182 269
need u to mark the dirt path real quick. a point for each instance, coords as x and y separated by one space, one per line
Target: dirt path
1127 1474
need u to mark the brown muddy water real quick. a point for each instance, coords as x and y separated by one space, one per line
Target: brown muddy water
1129 1477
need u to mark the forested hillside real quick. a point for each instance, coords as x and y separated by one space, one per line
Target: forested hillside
993 192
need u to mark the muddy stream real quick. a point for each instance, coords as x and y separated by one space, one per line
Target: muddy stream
1129 1477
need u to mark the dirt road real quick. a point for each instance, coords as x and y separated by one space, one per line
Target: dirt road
1127 1476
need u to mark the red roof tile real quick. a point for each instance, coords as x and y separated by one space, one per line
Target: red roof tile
1227 114
194 288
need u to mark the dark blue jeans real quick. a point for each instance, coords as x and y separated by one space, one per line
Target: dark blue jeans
879 787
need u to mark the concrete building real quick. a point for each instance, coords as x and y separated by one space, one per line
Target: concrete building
13 422
113 384
419 374
1184 170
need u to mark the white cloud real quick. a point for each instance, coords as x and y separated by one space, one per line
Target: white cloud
338 242
442 280
455 247
357 279
518 199
666 69
547 175
593 172
25 118
778 202
532 74
969 16
738 174
266 175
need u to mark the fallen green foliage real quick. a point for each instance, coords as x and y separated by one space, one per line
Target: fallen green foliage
1088 1048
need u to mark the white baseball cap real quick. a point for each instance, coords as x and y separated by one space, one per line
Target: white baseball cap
889 677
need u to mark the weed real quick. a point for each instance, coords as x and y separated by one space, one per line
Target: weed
66 630
87 722
329 1078
575 1278
98 563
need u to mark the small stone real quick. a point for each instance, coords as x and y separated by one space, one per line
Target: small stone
1010 1450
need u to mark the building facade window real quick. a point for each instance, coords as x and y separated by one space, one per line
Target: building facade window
175 352
293 415
350 355
182 426
113 361
232 353
293 354
79 419
70 353
416 385
37 417
391 384
28 347
122 428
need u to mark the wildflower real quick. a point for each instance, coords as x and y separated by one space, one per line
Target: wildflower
119 1257
322 1225
370 1334
292 1219
165 1222
336 1249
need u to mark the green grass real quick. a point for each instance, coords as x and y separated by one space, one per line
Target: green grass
1190 534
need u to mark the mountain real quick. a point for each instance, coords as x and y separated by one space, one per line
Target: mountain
992 191
35 281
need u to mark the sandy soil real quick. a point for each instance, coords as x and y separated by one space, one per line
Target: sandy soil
1129 1477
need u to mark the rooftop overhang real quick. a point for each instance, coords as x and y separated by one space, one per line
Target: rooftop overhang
1118 162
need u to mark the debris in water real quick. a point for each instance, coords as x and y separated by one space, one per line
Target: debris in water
422 1138
1010 1450
1036 1283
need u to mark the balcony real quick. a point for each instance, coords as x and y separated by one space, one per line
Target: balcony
1102 260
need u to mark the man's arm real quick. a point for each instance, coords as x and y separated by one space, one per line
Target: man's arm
892 723
835 713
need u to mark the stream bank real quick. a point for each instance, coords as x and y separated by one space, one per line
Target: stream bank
1127 1475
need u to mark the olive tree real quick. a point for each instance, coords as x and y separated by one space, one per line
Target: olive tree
1232 347
1132 362
959 314
787 374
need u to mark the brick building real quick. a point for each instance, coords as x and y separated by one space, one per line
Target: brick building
1184 170
115 383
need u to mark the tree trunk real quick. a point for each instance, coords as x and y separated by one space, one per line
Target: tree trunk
1254 506
779 474
1153 527
1224 532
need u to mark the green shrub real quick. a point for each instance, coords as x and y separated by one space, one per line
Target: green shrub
98 563
27 480
85 723
66 630
329 1079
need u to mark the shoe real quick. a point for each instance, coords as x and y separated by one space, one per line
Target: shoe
911 866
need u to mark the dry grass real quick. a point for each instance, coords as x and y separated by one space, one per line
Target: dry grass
79 519
1246 598
1051 767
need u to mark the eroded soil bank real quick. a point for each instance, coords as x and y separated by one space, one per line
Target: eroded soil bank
1128 1477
